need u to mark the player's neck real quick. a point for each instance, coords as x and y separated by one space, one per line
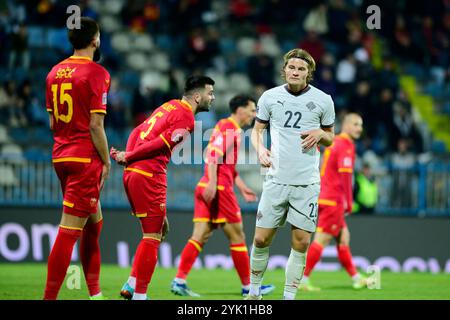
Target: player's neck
296 89
84 53
346 136
192 103
237 120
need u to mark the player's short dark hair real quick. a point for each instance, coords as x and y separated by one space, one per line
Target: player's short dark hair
82 37
241 100
197 82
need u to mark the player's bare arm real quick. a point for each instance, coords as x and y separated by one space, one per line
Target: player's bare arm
257 142
210 190
98 137
248 194
312 138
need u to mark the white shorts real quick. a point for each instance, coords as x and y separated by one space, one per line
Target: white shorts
297 205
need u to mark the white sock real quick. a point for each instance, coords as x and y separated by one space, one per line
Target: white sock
304 279
246 287
139 296
97 295
356 277
259 258
294 273
180 281
132 281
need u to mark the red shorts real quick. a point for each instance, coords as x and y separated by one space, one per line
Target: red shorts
224 208
331 219
147 197
80 184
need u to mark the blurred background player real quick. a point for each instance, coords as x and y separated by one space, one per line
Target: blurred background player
335 201
300 117
216 204
76 100
147 154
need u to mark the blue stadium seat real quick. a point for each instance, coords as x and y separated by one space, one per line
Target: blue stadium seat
36 36
438 147
57 39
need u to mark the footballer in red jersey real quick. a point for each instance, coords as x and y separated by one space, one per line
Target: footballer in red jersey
76 94
147 154
335 201
215 203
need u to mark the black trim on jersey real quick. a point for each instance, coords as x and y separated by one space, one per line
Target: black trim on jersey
304 90
262 121
327 126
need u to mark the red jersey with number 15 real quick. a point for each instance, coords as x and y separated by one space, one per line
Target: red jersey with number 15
167 126
75 88
336 173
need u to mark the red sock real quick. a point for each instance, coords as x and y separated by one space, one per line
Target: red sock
146 258
313 256
90 256
345 256
190 253
239 254
133 266
59 260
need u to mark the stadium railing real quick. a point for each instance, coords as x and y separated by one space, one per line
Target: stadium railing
421 191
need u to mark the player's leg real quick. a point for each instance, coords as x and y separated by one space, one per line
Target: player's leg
259 258
296 262
147 253
69 231
80 201
200 236
271 215
302 215
321 240
239 252
346 259
90 253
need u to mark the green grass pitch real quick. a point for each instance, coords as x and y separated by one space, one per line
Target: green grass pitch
26 281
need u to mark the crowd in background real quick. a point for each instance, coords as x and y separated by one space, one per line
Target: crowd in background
239 40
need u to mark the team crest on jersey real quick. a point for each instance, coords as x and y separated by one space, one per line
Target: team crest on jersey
311 106
93 202
347 162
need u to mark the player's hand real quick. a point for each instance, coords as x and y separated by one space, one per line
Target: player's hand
264 157
209 193
249 195
311 138
105 174
113 153
165 230
120 158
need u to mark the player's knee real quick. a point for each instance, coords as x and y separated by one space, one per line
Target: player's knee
205 237
301 244
261 241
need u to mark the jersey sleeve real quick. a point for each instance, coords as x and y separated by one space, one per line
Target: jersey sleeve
262 109
99 83
179 129
328 116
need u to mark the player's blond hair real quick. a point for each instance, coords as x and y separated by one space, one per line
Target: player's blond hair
300 54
